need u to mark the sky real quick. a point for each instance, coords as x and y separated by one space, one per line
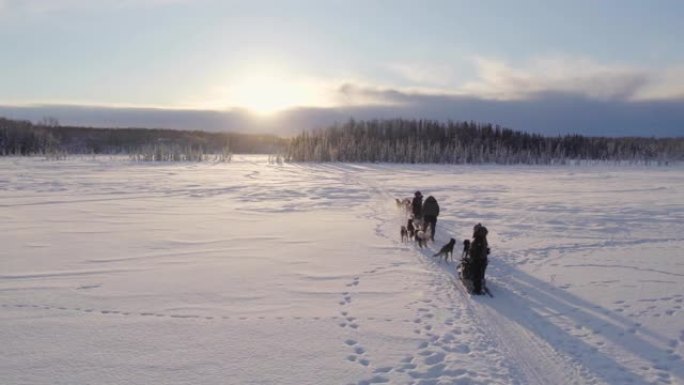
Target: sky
555 67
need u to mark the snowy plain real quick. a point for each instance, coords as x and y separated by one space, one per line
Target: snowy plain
115 272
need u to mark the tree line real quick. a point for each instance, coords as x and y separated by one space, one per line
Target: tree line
18 137
390 140
427 141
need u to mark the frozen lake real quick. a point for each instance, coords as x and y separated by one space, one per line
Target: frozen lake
247 272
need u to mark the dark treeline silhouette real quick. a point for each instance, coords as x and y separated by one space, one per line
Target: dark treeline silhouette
395 141
25 138
426 141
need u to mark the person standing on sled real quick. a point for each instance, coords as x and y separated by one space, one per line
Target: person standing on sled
417 205
479 250
430 213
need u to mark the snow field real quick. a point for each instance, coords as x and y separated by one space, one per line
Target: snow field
253 273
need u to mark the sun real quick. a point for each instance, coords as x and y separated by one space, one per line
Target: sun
266 94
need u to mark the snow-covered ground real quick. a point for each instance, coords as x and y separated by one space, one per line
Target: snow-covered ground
114 272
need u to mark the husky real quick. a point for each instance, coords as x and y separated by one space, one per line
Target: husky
403 204
447 250
466 247
411 229
422 237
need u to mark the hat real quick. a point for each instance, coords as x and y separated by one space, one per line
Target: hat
479 231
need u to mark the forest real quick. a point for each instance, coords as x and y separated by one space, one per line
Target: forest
427 141
18 137
392 140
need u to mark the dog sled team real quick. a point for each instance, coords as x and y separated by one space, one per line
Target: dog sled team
421 227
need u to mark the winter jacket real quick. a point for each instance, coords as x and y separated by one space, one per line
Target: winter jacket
417 206
479 249
430 207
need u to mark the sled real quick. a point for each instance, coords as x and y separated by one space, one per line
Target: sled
465 277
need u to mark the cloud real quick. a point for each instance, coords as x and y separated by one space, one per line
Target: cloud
498 80
351 94
665 85
552 96
583 77
436 75
550 114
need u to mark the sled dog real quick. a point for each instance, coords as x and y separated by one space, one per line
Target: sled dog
447 250
421 238
404 234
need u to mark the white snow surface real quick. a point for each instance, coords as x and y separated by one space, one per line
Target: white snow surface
115 272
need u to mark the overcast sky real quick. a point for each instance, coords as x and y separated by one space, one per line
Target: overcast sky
593 67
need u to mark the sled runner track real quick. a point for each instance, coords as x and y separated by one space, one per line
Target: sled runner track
533 360
527 354
529 358
489 293
538 362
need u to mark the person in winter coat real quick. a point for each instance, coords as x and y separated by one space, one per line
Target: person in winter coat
478 252
417 205
430 213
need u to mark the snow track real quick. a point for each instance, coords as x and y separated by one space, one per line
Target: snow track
294 274
512 345
510 348
538 362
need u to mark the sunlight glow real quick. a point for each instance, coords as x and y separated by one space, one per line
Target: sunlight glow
265 94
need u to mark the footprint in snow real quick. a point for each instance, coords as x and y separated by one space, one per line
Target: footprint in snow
346 298
434 359
374 380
